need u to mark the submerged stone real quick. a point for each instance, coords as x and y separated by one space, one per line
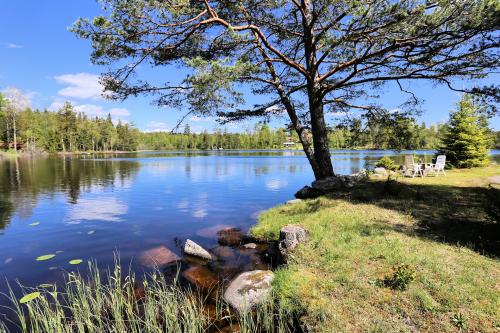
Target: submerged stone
201 276
196 250
157 257
249 289
230 236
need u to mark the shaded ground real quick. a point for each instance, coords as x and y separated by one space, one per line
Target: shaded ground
444 229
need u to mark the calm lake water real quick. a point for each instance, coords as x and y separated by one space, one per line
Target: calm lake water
90 206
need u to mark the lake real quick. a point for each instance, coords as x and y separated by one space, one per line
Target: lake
88 207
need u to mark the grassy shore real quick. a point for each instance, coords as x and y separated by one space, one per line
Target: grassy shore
396 256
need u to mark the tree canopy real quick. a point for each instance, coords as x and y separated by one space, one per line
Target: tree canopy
307 57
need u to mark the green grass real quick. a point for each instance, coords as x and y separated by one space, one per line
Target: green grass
443 229
106 302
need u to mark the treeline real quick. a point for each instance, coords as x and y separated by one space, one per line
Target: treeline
67 131
62 131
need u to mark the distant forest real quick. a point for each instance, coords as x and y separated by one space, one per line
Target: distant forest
69 131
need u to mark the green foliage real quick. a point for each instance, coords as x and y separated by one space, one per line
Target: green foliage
460 321
400 279
466 140
67 131
387 163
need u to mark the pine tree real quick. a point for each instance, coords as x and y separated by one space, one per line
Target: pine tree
465 142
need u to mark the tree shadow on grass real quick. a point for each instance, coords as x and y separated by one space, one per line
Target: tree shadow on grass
465 216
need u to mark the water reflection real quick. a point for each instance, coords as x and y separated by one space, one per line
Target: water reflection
157 198
24 180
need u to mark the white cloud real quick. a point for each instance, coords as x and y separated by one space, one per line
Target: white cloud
13 46
157 126
93 110
80 85
197 119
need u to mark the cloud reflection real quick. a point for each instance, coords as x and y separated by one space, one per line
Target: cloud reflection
276 184
107 209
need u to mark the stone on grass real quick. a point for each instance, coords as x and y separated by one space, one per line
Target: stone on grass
328 184
307 192
157 257
290 236
380 171
293 201
196 250
249 289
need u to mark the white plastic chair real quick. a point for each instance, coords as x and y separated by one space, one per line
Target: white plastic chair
410 168
438 167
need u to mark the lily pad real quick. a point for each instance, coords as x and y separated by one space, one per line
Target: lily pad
45 257
46 285
34 224
76 261
29 297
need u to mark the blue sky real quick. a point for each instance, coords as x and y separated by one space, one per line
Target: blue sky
39 56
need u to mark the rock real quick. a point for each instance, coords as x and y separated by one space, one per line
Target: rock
210 232
380 171
196 250
249 289
157 257
290 236
250 246
201 277
328 184
224 252
308 192
293 201
230 236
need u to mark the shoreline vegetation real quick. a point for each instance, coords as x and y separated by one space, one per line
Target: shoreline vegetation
68 131
422 256
434 238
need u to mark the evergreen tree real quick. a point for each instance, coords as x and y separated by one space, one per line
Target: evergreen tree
465 143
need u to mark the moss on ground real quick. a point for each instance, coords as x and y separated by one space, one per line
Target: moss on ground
444 228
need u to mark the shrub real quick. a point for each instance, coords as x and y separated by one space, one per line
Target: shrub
402 276
387 163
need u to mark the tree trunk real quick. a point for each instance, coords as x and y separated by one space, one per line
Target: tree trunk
320 134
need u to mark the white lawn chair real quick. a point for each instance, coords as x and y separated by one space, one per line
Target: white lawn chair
438 167
410 168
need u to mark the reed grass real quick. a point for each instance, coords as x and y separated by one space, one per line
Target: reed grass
104 301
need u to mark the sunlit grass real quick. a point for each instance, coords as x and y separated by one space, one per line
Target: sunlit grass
359 239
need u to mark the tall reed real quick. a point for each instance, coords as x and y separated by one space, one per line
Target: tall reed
108 302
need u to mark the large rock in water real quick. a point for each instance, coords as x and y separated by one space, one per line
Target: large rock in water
249 289
328 184
196 250
290 236
308 192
